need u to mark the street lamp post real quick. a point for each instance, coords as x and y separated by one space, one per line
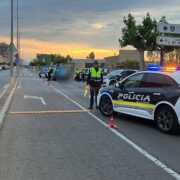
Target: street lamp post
17 26
11 44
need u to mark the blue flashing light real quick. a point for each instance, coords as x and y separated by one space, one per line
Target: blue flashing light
154 67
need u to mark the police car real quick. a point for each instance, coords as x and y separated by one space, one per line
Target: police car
153 95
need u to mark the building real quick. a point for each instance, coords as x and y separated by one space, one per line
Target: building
124 55
87 63
131 55
111 62
3 60
4 50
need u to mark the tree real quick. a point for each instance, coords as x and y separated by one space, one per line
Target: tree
91 56
69 58
142 37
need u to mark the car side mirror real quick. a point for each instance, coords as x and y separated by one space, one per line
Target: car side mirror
118 85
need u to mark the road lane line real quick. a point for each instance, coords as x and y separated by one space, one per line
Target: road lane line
127 140
6 105
4 91
35 97
50 112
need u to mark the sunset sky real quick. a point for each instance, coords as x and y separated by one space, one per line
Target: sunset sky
77 27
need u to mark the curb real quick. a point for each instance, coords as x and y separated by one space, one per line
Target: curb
6 105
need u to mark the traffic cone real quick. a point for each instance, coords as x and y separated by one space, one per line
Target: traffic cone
112 123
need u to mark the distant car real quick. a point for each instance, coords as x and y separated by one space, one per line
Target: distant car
117 75
104 71
43 72
60 73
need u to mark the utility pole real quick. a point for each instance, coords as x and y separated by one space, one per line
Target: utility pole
11 44
17 26
18 63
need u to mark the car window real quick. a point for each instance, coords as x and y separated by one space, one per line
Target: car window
123 74
113 73
169 82
153 80
133 81
130 72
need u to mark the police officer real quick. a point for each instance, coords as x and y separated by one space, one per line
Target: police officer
95 81
50 71
83 75
77 77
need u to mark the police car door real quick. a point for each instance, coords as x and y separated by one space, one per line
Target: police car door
127 97
147 95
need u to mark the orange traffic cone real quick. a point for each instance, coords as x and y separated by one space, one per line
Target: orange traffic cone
112 123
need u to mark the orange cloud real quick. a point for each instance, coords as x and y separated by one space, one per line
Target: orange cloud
30 47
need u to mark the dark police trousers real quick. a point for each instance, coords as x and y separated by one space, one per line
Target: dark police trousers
93 91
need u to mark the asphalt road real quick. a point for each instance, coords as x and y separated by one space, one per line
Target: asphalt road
77 146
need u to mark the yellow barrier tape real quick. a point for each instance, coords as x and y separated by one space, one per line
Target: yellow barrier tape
50 112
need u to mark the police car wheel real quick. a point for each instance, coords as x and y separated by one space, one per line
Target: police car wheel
105 106
166 120
39 75
112 82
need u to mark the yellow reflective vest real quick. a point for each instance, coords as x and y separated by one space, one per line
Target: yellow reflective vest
95 75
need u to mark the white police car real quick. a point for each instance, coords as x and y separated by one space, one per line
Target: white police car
147 94
117 75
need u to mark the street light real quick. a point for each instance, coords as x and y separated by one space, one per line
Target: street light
11 44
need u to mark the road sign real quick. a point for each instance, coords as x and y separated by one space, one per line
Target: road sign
169 28
16 60
168 41
17 56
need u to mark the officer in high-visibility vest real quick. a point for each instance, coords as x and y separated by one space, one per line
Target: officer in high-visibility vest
77 77
95 81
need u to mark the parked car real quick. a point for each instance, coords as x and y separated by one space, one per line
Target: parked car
117 75
104 71
43 72
60 73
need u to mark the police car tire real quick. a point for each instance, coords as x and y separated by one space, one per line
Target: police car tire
105 100
174 126
39 75
112 82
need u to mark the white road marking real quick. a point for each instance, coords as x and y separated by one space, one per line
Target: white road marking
35 97
131 143
19 84
6 86
6 106
4 91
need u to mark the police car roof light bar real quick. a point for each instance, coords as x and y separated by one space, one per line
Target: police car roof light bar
154 67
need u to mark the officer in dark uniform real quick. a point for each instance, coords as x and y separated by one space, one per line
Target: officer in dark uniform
50 71
95 81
